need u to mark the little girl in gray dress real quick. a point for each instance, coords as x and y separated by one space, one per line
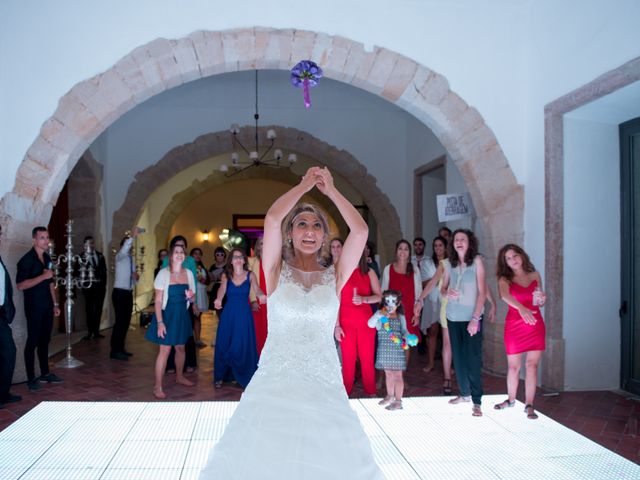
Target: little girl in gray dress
391 324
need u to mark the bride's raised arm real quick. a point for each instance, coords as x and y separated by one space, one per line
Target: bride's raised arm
272 242
358 229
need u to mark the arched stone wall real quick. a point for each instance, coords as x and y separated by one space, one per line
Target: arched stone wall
94 104
182 199
290 139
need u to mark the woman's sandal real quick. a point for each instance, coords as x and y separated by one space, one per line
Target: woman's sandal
531 413
459 399
504 405
386 401
446 388
395 405
476 411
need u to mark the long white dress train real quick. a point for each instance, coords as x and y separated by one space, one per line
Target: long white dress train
294 420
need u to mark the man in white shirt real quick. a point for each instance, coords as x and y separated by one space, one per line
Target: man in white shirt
7 345
122 296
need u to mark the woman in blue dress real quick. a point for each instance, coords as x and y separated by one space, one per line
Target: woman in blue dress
235 354
171 324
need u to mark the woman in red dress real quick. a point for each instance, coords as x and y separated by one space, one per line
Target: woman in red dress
404 276
259 311
356 338
520 286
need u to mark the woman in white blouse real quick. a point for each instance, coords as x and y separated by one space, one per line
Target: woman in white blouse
171 326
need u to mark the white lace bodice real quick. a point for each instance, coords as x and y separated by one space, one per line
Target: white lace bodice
302 315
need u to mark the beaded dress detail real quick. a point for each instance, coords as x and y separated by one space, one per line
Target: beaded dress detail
294 420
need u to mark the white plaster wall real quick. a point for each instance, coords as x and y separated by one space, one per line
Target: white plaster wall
591 255
567 45
433 184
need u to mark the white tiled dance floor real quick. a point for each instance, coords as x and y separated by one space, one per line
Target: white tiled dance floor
429 439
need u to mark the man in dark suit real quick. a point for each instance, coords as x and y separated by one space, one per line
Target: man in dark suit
94 295
7 346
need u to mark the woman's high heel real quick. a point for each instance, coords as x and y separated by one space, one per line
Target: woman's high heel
446 388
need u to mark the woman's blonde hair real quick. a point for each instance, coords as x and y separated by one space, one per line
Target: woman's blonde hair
287 227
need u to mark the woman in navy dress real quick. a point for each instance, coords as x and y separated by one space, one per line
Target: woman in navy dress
235 354
171 324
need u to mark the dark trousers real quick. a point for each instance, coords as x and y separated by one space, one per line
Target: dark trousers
467 359
7 359
190 351
123 308
39 325
93 302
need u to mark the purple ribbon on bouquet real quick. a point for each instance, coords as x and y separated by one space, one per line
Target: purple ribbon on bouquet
304 75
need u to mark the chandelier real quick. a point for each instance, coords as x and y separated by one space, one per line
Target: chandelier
253 157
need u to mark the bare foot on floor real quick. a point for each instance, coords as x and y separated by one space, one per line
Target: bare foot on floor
158 393
184 381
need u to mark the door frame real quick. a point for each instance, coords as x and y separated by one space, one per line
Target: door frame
628 308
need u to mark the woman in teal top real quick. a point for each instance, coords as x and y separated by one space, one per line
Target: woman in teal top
464 280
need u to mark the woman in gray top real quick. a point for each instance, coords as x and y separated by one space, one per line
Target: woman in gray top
464 280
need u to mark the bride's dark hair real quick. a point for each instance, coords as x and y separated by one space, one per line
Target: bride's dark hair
287 227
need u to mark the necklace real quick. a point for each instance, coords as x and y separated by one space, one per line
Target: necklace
461 269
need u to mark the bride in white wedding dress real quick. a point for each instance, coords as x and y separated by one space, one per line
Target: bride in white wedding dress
294 420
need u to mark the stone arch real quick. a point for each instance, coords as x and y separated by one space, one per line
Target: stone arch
94 104
181 199
290 139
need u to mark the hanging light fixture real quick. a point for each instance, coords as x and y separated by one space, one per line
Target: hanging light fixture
253 157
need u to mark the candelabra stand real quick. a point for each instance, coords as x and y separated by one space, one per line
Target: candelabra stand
84 279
